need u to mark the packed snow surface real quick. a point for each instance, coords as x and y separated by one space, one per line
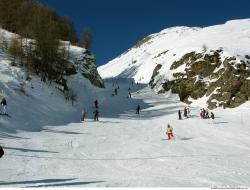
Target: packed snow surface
46 145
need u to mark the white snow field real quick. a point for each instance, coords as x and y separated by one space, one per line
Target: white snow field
46 145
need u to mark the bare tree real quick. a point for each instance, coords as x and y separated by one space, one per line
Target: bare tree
86 40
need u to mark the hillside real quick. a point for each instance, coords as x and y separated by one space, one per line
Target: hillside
199 64
52 148
68 94
46 144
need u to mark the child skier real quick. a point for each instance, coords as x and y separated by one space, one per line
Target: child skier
169 132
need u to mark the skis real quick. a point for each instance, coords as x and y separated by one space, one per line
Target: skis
168 139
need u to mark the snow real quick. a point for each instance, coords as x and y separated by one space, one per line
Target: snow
232 37
46 145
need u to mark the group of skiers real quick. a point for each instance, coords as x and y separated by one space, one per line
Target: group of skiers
96 112
204 114
186 113
115 92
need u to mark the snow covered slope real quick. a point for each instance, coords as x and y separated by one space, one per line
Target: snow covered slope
171 44
124 149
46 145
158 52
34 103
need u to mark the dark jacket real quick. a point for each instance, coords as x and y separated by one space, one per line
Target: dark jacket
4 102
1 152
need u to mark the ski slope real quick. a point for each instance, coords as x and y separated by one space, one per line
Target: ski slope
122 149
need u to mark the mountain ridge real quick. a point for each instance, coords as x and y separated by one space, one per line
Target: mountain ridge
172 44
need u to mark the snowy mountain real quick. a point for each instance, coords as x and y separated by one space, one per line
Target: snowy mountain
46 145
208 66
41 99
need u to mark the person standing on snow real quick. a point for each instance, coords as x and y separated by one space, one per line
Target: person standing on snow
83 115
96 115
138 109
202 113
206 114
1 151
179 114
212 115
169 132
188 112
185 112
129 94
115 91
96 104
4 104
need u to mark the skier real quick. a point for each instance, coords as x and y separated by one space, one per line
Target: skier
4 104
188 112
129 94
212 115
1 151
96 115
115 91
83 115
96 104
169 132
138 109
202 113
185 112
206 114
179 114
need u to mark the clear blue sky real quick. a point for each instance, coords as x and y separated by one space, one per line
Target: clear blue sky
117 25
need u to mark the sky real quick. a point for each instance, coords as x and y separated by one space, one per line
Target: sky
117 25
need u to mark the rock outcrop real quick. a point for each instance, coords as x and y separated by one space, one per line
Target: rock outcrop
225 81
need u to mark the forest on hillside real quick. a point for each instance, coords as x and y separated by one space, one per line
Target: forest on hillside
42 38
